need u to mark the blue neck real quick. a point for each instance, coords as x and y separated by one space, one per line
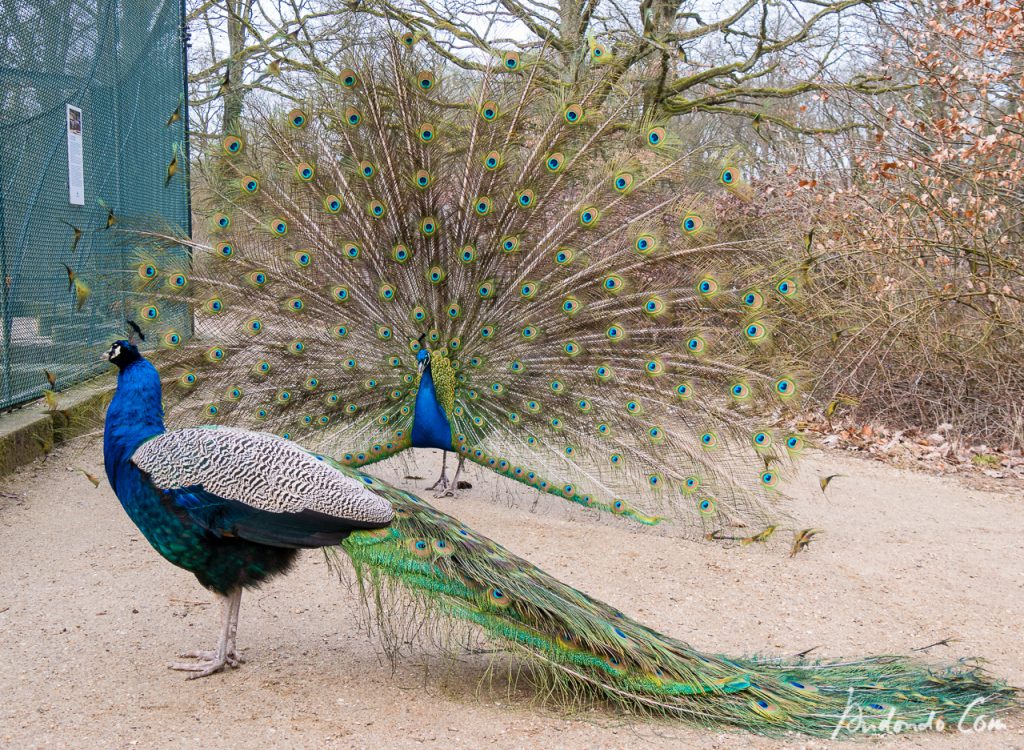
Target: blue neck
430 427
135 415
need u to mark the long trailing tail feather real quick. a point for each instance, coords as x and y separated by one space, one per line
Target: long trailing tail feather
588 647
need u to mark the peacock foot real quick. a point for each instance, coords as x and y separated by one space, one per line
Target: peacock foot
451 489
207 662
442 482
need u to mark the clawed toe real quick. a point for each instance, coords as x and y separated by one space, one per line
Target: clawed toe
199 669
232 659
206 663
201 655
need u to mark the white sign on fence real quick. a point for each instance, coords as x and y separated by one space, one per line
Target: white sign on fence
76 178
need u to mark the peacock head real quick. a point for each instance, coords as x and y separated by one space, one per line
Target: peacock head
422 356
122 353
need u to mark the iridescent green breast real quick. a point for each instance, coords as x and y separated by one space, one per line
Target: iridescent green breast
444 382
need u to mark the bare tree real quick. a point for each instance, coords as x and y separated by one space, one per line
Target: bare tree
750 55
742 62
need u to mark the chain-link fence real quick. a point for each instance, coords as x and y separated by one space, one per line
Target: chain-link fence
92 115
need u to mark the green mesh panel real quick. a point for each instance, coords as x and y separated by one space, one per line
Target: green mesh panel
121 63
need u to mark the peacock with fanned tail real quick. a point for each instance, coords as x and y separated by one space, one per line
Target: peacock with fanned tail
233 506
540 281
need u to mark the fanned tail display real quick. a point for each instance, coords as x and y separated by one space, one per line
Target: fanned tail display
540 281
588 647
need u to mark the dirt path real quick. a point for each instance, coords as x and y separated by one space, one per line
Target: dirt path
89 614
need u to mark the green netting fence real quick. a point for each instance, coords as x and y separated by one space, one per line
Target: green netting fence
99 79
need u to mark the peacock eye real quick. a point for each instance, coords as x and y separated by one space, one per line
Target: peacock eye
645 244
573 114
654 306
425 80
707 286
755 332
349 79
692 224
785 387
753 299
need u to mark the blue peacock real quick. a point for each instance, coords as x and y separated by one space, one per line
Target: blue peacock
536 277
190 495
233 507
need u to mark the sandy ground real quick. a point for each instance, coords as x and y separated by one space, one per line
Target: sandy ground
89 614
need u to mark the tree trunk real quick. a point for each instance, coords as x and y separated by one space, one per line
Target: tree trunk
239 13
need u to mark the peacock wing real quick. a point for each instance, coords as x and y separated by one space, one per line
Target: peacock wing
259 487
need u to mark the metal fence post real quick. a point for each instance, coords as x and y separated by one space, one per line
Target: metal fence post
5 290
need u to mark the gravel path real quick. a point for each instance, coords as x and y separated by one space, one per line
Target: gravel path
89 614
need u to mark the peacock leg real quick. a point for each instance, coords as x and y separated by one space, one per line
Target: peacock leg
442 481
210 662
453 488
